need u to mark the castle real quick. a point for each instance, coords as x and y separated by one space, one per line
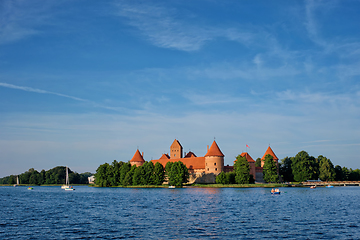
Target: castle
206 168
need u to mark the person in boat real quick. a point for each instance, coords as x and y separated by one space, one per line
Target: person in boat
272 190
277 190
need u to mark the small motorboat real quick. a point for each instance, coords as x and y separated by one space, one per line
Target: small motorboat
30 188
171 186
329 186
275 191
312 187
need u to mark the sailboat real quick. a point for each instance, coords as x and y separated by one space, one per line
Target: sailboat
17 181
67 187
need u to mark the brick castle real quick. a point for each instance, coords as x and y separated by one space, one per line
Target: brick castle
204 169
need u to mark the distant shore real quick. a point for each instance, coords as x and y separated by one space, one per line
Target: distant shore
265 185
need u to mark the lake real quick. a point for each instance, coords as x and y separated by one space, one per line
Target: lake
195 213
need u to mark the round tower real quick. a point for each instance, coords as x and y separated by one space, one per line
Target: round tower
214 160
138 159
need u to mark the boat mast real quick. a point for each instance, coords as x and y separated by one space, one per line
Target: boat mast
17 180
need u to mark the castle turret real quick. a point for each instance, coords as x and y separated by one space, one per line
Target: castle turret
137 159
214 160
251 163
275 158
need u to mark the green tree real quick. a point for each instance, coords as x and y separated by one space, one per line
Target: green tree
242 170
305 167
168 169
138 176
159 174
354 175
103 175
129 176
178 174
270 169
326 169
230 178
221 178
125 168
345 174
258 162
338 173
286 170
148 173
115 178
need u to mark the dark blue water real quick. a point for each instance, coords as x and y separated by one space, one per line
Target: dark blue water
227 213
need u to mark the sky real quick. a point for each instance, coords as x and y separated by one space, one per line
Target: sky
85 82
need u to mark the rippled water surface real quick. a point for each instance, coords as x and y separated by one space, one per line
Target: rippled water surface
195 213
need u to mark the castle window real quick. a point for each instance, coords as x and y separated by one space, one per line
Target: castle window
214 164
208 169
215 169
206 164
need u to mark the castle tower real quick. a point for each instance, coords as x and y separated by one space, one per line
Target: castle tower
176 150
271 152
137 159
214 160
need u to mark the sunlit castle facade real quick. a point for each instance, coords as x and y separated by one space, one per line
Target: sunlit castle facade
211 164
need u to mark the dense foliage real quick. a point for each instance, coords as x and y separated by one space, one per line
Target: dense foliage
286 170
226 178
242 170
123 174
53 176
177 173
258 162
303 167
270 169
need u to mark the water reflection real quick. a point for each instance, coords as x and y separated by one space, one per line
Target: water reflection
180 213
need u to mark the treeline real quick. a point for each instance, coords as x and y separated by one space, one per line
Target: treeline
123 174
241 173
304 167
55 175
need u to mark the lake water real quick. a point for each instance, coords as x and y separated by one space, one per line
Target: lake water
195 213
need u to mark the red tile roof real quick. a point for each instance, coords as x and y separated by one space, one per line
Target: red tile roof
214 151
176 143
191 163
247 156
137 157
271 152
165 156
190 155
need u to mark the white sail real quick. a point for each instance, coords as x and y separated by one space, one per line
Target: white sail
67 186
67 177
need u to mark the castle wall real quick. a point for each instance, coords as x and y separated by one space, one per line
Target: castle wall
202 178
138 164
252 169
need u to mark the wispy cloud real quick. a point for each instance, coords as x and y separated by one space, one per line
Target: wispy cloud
35 90
206 99
312 25
161 26
29 89
21 19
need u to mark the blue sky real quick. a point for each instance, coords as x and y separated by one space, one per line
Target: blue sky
87 82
